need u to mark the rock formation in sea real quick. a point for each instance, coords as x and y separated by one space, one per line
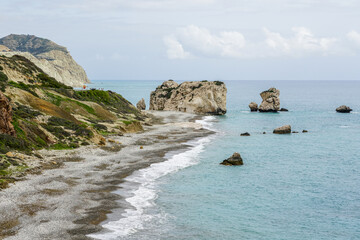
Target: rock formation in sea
6 126
234 160
283 130
343 109
141 104
193 97
253 106
270 100
53 59
245 134
283 110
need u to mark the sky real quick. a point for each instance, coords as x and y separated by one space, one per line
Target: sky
198 39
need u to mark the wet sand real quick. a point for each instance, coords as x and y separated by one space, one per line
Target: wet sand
71 198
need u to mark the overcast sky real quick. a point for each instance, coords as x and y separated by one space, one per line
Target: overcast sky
198 39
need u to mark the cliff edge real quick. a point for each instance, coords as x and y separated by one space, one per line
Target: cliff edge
53 59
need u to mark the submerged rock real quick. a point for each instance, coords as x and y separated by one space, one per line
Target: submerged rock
141 104
253 106
6 126
270 100
283 110
193 97
304 131
295 132
283 130
245 134
234 160
343 109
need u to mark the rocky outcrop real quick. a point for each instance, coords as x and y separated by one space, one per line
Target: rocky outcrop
141 104
270 100
253 106
193 97
234 160
283 110
52 58
246 134
4 49
343 109
283 130
5 116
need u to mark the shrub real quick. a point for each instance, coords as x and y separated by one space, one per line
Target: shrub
51 82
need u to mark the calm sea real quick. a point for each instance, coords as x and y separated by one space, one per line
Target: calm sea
298 186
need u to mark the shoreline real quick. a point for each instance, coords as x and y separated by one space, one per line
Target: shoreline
72 201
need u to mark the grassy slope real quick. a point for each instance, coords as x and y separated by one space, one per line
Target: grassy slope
49 114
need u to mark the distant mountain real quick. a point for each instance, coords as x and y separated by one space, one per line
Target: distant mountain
30 43
52 58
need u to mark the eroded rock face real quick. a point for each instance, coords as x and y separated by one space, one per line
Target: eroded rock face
234 160
193 97
253 106
53 59
283 130
344 109
5 116
270 100
141 104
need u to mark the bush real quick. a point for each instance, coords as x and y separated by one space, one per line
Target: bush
51 82
3 77
8 143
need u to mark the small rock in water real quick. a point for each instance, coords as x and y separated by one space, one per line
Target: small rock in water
344 109
245 134
304 131
234 160
253 106
264 132
283 130
295 132
283 110
141 104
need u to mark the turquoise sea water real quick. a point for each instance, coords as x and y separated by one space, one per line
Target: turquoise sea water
298 186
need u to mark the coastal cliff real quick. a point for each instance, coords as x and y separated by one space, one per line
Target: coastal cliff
38 112
193 97
53 59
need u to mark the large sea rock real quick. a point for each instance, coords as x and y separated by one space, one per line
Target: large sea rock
5 116
193 97
270 100
53 59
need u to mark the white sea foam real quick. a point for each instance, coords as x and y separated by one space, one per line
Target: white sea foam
142 197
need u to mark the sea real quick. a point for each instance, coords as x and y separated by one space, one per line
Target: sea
296 186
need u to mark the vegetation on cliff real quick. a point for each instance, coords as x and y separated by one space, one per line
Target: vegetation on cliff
48 114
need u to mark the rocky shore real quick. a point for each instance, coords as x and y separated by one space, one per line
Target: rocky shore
74 191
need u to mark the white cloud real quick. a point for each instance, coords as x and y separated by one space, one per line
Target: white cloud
202 42
197 41
174 49
354 37
303 42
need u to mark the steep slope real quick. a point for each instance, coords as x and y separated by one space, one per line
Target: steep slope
53 59
40 112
